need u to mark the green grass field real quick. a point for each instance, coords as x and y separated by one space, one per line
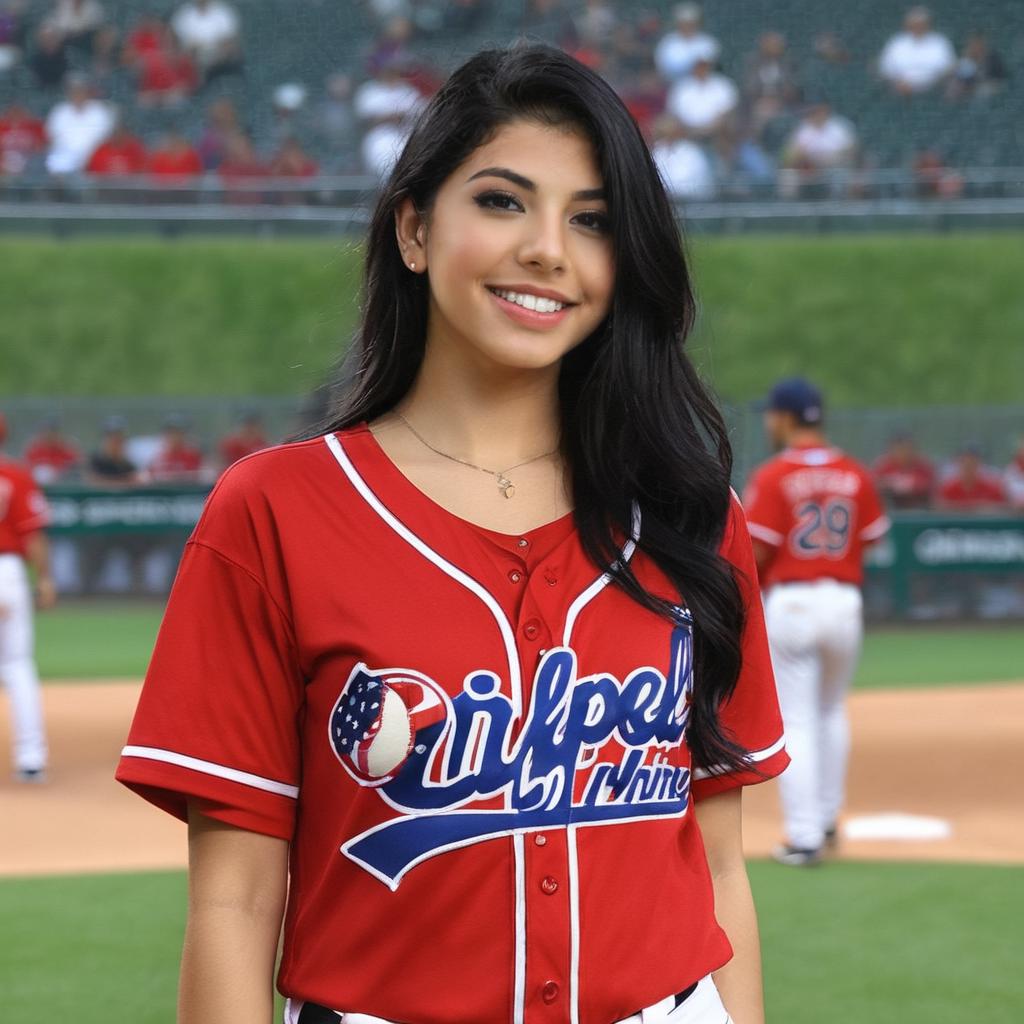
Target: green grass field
101 641
882 320
848 943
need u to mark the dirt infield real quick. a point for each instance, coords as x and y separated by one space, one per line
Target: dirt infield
950 753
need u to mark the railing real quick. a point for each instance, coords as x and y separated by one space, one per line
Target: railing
344 202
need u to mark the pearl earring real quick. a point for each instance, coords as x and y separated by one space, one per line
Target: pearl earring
412 265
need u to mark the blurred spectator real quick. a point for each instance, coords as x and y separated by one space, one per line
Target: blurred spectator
391 48
972 486
49 60
49 455
292 161
77 21
121 153
106 56
109 465
904 477
386 104
248 438
823 147
222 123
704 102
550 21
934 179
145 36
678 52
167 75
683 165
918 58
177 460
644 95
595 23
75 127
334 124
175 160
22 137
12 34
241 164
631 50
770 85
828 47
1013 478
209 32
289 101
980 72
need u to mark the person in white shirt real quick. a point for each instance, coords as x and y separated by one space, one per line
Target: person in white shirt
387 97
75 127
918 58
678 52
683 165
823 147
209 31
704 102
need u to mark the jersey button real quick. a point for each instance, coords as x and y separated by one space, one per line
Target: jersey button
515 576
549 885
522 542
549 993
540 839
531 630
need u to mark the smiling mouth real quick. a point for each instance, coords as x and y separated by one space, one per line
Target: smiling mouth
534 303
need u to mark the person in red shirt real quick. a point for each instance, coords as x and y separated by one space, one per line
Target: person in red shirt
973 486
248 438
241 165
121 154
430 672
145 37
167 75
49 455
22 136
811 510
178 460
174 161
24 514
905 478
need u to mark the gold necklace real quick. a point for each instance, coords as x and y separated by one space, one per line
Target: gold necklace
505 485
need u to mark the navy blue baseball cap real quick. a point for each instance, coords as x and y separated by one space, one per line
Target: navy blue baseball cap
798 396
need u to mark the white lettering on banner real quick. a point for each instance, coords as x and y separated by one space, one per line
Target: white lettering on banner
957 546
806 483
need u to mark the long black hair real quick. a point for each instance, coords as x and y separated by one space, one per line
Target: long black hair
637 425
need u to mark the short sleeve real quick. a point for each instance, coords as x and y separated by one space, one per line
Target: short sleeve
29 509
767 515
751 716
872 511
219 717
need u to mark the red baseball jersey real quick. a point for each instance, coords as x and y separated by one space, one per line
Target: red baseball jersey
818 508
986 489
476 746
23 507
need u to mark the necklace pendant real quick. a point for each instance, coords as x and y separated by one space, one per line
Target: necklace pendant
506 485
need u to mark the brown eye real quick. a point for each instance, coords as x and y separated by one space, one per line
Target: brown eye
594 220
497 201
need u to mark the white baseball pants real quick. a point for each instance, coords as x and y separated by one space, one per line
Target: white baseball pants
814 631
18 667
704 1006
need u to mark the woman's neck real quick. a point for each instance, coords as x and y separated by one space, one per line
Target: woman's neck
494 418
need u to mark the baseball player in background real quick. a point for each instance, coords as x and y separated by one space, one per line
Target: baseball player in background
811 510
23 514
471 680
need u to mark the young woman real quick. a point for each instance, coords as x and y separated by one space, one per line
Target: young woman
477 672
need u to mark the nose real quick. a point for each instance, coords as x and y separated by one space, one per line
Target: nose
543 244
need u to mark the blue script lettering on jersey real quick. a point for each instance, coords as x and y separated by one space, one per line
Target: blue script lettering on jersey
475 755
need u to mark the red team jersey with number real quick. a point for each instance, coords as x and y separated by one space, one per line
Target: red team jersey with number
23 507
531 855
818 508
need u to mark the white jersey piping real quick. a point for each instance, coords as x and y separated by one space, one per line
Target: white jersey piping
220 771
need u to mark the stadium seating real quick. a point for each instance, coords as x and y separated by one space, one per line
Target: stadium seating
286 40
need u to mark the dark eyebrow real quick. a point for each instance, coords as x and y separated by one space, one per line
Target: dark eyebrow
525 183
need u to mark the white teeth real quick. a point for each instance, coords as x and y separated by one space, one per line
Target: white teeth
527 301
